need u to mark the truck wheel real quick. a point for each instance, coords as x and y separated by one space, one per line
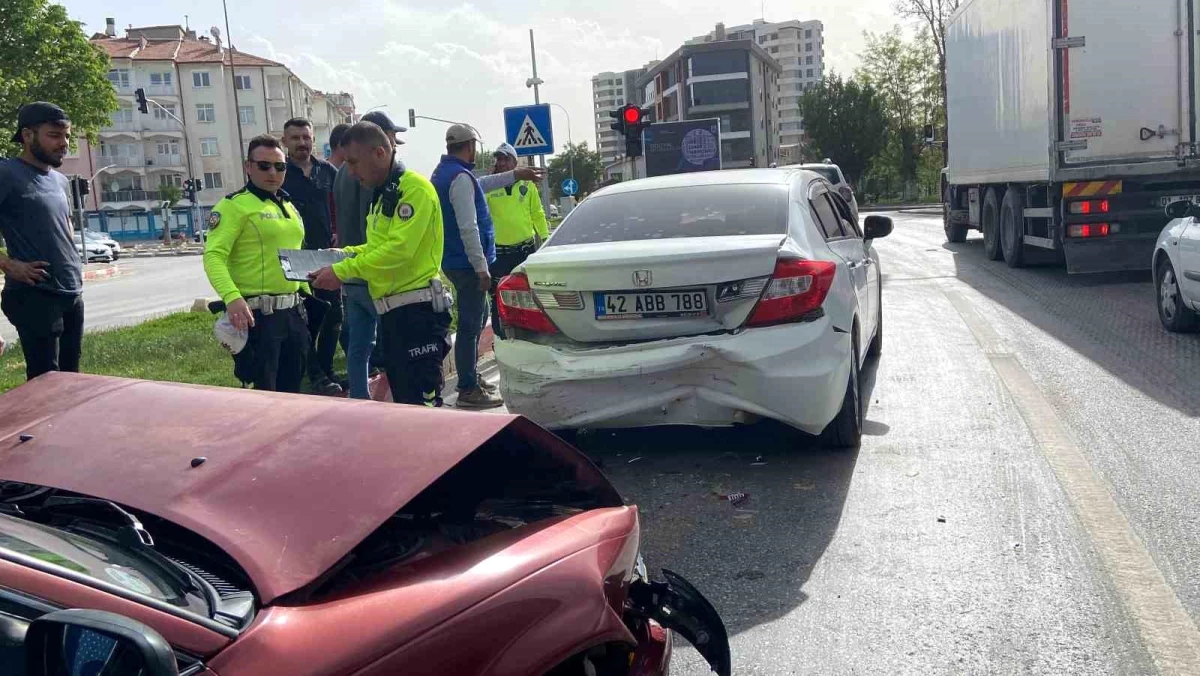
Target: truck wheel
990 217
1012 228
1175 316
955 234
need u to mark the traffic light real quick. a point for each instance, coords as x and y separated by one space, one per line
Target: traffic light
412 117
631 120
191 187
143 104
619 116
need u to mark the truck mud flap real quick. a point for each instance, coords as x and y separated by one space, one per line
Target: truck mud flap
1108 254
680 607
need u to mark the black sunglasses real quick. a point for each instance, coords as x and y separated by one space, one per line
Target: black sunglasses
266 166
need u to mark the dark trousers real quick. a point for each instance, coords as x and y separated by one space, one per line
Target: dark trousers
507 258
49 326
415 343
324 328
273 358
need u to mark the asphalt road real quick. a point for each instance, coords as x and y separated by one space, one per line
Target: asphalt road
146 287
1024 501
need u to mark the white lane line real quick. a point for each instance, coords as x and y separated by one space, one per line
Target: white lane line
1167 630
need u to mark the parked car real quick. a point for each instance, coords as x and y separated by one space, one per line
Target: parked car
833 173
698 299
255 536
1176 266
105 239
96 252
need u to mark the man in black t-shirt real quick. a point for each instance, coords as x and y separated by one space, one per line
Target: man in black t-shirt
43 275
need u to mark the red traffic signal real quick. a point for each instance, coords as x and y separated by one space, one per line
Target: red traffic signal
632 115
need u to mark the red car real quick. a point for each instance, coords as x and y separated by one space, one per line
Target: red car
154 528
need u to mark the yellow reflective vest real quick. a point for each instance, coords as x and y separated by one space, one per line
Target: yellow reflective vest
246 230
517 213
403 251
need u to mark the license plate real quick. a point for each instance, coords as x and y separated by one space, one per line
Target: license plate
1164 201
652 305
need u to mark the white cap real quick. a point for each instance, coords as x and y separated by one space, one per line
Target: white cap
230 338
505 149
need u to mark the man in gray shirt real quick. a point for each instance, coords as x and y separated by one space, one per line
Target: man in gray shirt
43 275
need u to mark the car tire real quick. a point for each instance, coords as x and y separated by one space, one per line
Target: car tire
990 224
1175 316
846 429
876 347
1012 228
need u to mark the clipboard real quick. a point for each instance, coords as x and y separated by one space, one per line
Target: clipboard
298 264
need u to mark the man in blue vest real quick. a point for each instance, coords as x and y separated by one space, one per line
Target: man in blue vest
469 249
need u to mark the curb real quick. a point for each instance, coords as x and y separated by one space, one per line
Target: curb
159 254
110 271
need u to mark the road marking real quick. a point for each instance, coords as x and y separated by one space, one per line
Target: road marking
1167 630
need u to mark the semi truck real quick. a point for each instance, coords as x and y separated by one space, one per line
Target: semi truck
1070 125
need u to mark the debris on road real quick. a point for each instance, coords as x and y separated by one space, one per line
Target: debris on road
736 499
758 461
941 519
633 460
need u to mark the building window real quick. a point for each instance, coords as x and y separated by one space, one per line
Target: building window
208 146
119 77
165 112
241 81
808 46
167 147
807 33
721 91
774 50
212 180
762 39
808 60
168 180
774 36
201 79
121 115
718 63
160 79
809 73
206 112
246 114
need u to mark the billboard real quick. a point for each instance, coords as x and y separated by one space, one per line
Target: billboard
680 147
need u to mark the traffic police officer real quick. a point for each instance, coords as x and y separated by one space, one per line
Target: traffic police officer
400 262
241 258
520 224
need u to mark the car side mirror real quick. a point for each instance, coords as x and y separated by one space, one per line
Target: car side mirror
82 641
876 226
1179 209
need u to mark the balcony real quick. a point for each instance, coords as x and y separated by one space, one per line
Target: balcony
153 125
161 90
164 161
132 161
128 195
122 127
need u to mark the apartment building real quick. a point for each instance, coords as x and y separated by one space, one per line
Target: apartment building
610 91
189 78
735 80
329 110
799 47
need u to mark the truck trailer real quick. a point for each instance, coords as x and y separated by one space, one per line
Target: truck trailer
1070 124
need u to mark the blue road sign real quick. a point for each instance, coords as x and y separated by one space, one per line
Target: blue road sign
570 186
527 128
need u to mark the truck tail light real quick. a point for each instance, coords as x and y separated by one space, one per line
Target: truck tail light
796 288
1091 230
519 307
1088 207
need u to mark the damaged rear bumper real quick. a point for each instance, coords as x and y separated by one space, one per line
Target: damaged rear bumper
795 373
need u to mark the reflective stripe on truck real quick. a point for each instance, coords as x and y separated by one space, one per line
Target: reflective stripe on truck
1092 188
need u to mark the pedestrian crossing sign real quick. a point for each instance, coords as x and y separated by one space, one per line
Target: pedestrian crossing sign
528 129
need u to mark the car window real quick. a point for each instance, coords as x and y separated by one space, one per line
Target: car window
843 210
825 215
830 174
672 213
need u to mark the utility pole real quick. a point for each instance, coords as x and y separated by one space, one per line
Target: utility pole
537 99
237 113
77 200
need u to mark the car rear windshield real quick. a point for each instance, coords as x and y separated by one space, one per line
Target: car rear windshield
671 213
830 174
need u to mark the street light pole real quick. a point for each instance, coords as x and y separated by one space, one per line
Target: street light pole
535 82
187 148
233 74
570 142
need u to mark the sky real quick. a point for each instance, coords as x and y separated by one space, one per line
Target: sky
468 61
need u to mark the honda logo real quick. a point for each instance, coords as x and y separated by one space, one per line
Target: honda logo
642 278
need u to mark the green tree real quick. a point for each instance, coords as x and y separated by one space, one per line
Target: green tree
846 122
933 14
588 165
484 161
45 56
170 193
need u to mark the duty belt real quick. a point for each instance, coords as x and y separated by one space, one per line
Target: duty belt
269 304
426 295
515 248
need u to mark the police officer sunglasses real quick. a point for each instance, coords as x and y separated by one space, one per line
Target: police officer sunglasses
263 165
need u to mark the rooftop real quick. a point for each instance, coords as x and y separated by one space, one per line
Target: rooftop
186 48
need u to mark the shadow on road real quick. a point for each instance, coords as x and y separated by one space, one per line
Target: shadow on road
752 559
1109 318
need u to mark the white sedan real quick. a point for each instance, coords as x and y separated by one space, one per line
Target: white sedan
706 299
1176 268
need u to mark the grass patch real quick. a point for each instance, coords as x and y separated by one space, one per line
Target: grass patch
178 348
